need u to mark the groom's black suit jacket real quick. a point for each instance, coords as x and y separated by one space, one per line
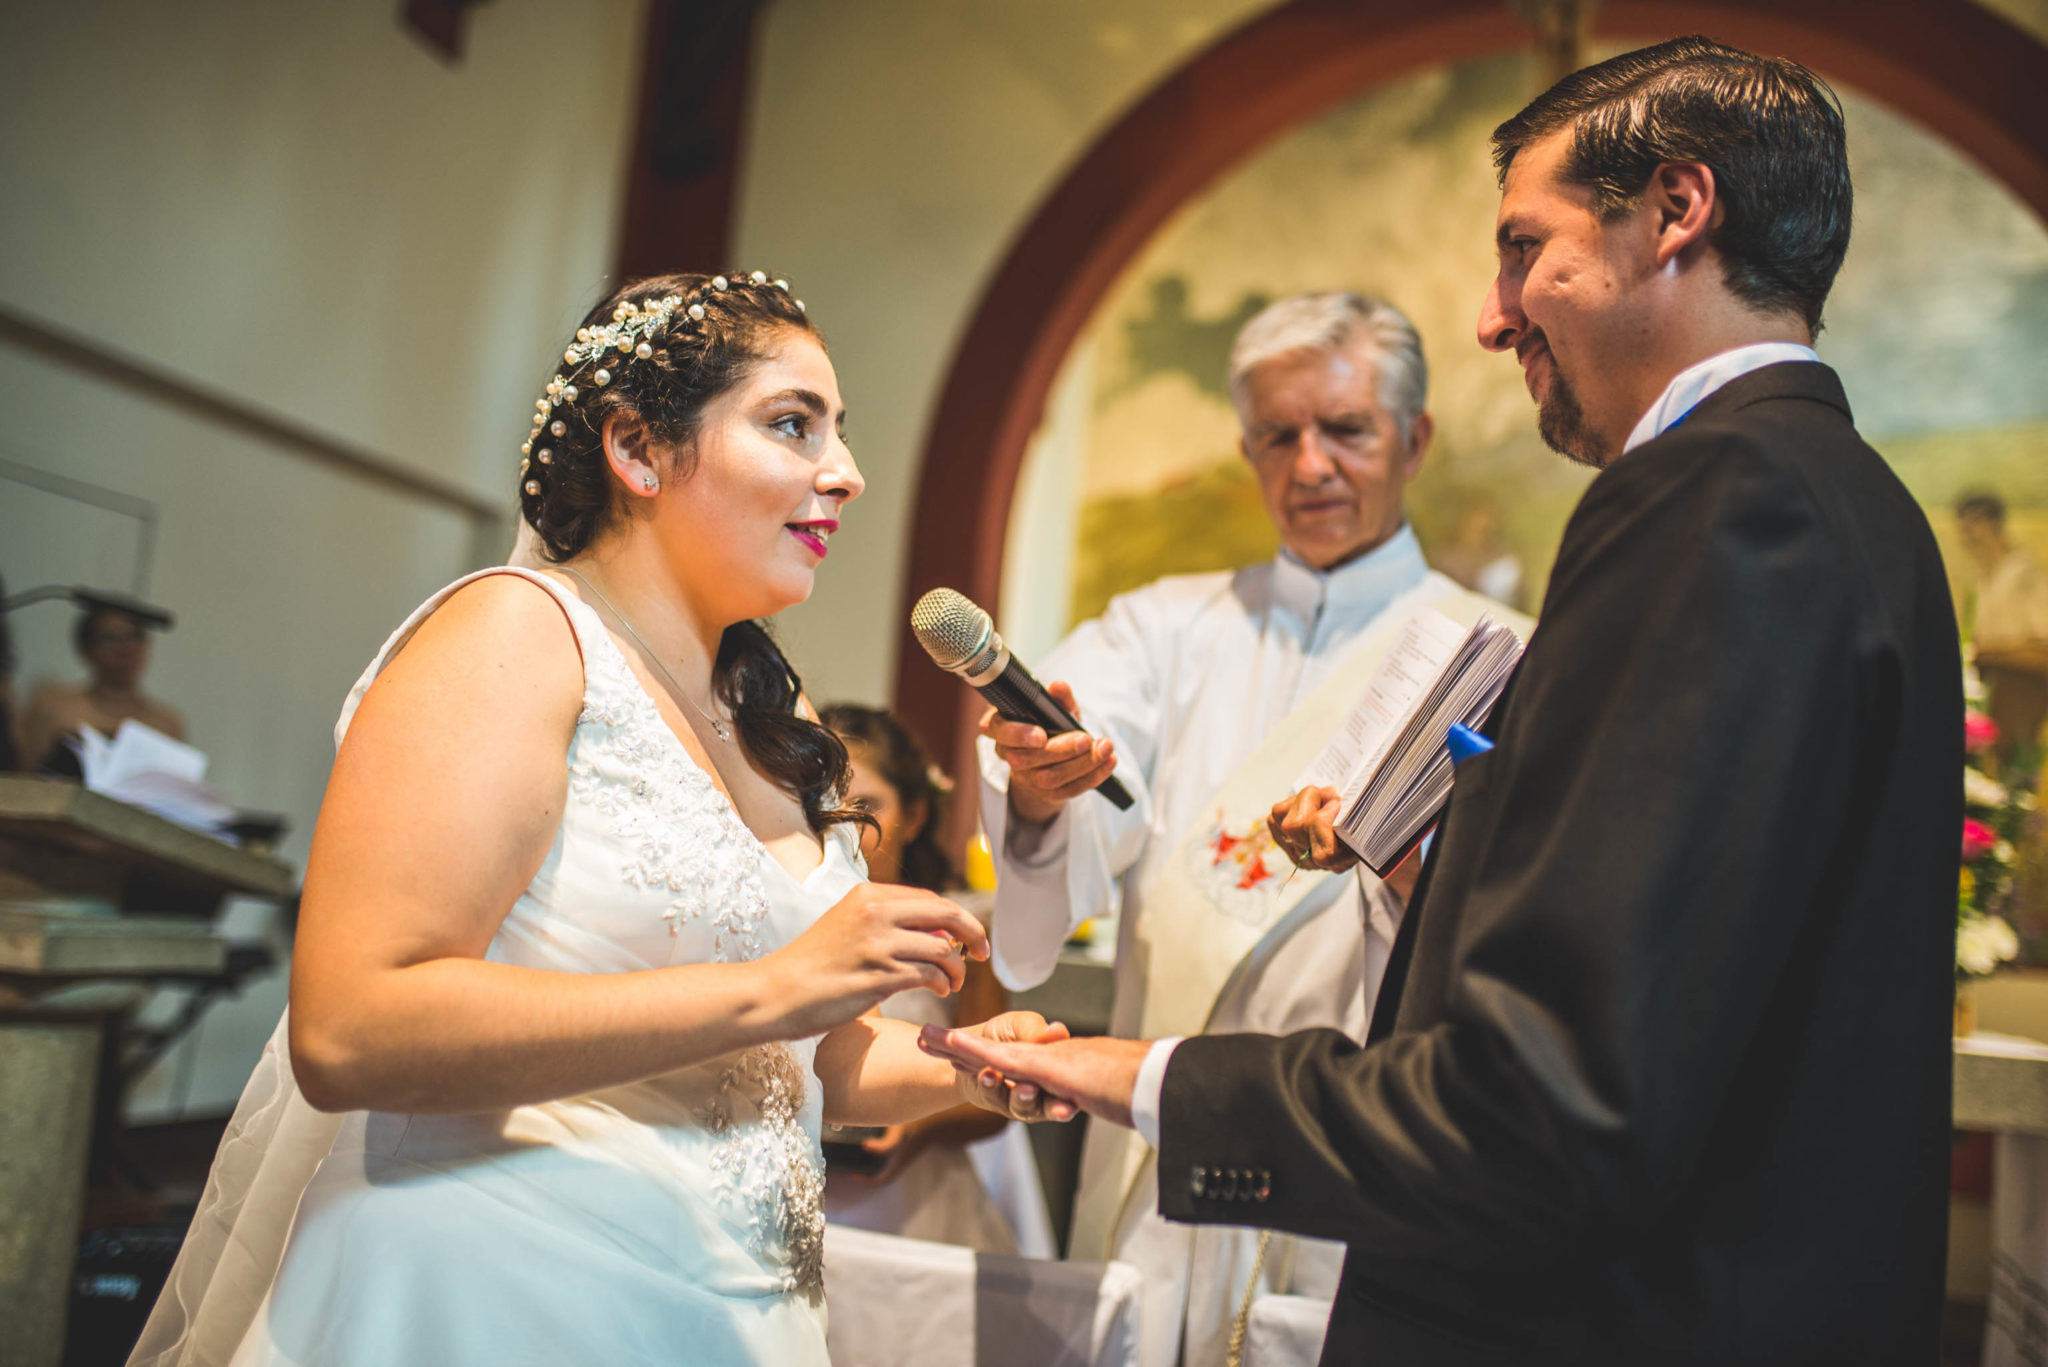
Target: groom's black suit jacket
1661 1074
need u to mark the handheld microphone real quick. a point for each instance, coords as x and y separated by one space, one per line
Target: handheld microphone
961 639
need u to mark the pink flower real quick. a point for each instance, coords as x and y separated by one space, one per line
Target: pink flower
1978 839
1979 731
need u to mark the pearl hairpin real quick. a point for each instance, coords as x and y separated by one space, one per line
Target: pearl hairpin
630 333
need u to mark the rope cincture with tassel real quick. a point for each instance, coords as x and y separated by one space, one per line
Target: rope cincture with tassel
1233 1355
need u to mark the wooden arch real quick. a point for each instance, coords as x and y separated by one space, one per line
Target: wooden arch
1951 65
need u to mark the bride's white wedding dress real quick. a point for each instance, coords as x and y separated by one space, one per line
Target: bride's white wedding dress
675 1220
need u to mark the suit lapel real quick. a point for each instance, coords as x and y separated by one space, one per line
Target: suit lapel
1787 380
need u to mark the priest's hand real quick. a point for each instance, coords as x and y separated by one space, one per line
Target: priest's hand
1048 772
988 1088
1305 828
1096 1075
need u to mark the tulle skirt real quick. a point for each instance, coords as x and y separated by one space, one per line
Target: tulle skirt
551 1235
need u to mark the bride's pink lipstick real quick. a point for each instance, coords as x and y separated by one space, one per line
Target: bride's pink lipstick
813 534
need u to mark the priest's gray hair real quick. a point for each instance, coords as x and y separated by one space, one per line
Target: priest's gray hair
1330 322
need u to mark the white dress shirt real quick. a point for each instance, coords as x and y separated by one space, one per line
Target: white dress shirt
1679 398
1695 382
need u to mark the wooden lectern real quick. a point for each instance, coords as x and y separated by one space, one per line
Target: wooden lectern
97 900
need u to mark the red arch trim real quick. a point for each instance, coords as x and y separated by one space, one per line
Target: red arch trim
1950 65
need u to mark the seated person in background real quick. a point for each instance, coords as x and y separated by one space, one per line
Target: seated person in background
2009 630
927 1186
115 648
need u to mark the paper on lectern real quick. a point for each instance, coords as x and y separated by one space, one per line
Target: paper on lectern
148 769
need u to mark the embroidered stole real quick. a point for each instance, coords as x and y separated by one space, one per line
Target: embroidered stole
1227 893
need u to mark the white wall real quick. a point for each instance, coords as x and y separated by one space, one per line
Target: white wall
895 148
302 209
301 205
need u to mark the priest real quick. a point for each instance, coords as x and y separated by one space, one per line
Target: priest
1207 694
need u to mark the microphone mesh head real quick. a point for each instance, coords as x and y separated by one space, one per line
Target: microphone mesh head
949 626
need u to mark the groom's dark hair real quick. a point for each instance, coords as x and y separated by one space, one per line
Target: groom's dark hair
1770 130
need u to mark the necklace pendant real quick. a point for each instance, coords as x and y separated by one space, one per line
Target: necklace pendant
724 731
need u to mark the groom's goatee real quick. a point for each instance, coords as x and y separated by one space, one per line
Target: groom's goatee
1561 422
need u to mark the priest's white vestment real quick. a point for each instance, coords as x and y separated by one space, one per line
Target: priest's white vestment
1188 676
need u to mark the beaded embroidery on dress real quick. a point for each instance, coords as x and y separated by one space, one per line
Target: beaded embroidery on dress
679 1215
683 838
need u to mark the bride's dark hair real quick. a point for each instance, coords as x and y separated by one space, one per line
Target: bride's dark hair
671 366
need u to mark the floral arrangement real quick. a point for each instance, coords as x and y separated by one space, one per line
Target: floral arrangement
1993 815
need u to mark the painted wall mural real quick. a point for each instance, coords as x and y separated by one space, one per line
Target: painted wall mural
1938 325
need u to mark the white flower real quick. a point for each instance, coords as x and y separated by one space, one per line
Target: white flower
1983 943
2003 852
1982 790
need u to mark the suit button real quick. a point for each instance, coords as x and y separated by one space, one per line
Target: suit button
1230 1184
1215 1183
1265 1187
1197 1176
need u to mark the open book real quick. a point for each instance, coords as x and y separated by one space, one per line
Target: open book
1391 760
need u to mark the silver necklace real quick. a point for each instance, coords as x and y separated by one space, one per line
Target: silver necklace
718 724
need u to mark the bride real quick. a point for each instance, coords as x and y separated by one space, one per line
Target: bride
587 951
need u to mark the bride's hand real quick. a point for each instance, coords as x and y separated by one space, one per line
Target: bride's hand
991 1091
876 941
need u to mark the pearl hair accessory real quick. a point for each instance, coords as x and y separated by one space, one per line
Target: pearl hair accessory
628 337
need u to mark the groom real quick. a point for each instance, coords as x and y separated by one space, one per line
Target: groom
1662 1071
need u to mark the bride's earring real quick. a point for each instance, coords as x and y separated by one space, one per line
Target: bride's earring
649 483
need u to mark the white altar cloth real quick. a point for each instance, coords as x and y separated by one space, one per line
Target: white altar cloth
895 1302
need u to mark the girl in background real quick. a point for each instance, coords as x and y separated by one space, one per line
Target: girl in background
929 1184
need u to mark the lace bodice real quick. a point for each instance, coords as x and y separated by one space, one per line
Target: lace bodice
651 866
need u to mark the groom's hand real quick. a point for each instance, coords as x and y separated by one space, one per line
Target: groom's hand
1097 1075
990 1090
1305 828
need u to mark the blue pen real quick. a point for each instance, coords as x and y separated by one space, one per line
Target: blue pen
1464 743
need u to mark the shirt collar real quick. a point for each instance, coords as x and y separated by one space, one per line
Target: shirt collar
1358 588
1695 382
